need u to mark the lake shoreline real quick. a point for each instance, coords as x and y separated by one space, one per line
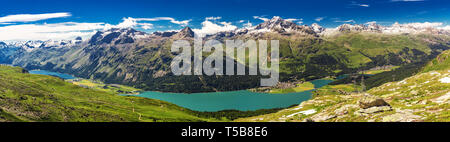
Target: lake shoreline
240 100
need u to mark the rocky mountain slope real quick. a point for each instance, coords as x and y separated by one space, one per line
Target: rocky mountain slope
422 97
127 56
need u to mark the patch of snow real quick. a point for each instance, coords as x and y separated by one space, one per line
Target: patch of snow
435 73
260 31
141 36
401 82
297 108
306 112
445 80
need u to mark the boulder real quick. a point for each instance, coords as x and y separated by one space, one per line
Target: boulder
368 101
308 120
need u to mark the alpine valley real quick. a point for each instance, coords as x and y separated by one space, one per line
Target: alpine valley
380 73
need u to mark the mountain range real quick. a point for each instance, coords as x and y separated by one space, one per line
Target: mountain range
128 56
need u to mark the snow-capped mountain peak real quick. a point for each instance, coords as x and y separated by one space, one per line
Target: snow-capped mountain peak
38 44
116 36
317 28
3 45
277 24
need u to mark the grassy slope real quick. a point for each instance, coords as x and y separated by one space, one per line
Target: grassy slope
312 58
28 97
422 97
441 62
299 88
97 85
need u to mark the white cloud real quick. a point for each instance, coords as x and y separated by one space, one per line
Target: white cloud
209 27
241 21
261 18
67 30
371 22
293 19
299 21
127 23
172 20
359 4
318 19
248 24
346 21
147 26
32 17
213 18
225 23
364 5
132 23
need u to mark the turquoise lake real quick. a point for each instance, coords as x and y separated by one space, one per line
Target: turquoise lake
215 101
60 75
234 100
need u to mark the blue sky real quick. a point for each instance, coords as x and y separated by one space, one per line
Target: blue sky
146 14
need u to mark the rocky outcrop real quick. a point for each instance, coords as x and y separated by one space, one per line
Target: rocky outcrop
368 101
165 34
160 73
371 104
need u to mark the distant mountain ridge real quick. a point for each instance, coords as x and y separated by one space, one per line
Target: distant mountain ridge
276 24
35 44
279 25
